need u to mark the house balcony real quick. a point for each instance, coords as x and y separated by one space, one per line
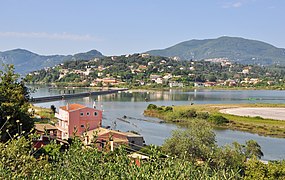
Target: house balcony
56 115
61 128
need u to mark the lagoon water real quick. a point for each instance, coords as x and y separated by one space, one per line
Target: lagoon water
132 105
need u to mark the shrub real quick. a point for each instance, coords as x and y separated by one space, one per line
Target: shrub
258 117
151 107
159 108
203 115
218 119
190 113
168 108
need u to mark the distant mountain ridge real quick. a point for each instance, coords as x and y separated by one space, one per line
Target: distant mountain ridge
26 61
237 49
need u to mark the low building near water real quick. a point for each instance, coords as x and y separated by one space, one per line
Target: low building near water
85 122
47 133
101 136
175 84
74 119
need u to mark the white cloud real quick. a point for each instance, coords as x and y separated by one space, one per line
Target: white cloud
45 35
236 4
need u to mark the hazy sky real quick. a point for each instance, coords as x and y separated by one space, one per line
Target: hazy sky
116 27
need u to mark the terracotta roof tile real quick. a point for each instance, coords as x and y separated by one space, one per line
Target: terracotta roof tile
72 107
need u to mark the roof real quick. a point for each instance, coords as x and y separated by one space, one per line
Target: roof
72 107
44 127
137 155
104 134
127 134
130 134
98 131
101 131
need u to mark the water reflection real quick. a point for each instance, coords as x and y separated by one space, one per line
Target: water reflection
132 105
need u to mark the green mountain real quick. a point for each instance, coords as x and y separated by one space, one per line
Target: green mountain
26 61
236 49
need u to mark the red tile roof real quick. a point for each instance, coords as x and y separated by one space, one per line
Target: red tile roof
72 107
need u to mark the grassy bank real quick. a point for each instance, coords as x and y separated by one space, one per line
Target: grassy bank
43 115
211 113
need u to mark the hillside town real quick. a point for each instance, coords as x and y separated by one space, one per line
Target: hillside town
144 70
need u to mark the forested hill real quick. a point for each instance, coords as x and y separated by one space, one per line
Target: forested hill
236 49
26 61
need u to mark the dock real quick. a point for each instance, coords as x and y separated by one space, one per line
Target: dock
71 96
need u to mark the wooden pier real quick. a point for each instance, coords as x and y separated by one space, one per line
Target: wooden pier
71 96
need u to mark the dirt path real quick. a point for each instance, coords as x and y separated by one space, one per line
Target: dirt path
268 113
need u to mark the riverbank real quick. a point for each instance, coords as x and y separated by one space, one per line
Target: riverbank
218 118
75 95
160 87
191 88
264 112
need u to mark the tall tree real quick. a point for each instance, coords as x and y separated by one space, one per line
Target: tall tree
196 142
14 108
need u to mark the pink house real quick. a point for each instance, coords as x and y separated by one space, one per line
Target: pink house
75 119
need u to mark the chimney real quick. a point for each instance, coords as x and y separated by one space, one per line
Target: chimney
67 106
112 145
111 142
94 105
86 140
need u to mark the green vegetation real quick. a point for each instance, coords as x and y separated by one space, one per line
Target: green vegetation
196 142
14 97
155 72
82 163
189 154
211 113
237 49
218 119
44 115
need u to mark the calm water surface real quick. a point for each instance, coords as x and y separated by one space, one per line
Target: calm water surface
132 105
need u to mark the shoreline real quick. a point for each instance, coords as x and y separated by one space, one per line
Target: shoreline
255 124
146 88
266 113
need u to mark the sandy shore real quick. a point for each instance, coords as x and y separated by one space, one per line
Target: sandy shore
268 113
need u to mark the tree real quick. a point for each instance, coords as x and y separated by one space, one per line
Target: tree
212 78
53 108
14 97
196 142
252 149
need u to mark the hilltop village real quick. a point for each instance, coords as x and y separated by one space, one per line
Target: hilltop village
146 71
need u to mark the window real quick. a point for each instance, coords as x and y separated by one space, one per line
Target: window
81 114
88 113
82 126
95 113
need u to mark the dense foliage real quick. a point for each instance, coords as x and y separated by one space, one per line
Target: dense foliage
80 162
198 158
14 97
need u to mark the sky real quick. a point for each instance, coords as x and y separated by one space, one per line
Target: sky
116 27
